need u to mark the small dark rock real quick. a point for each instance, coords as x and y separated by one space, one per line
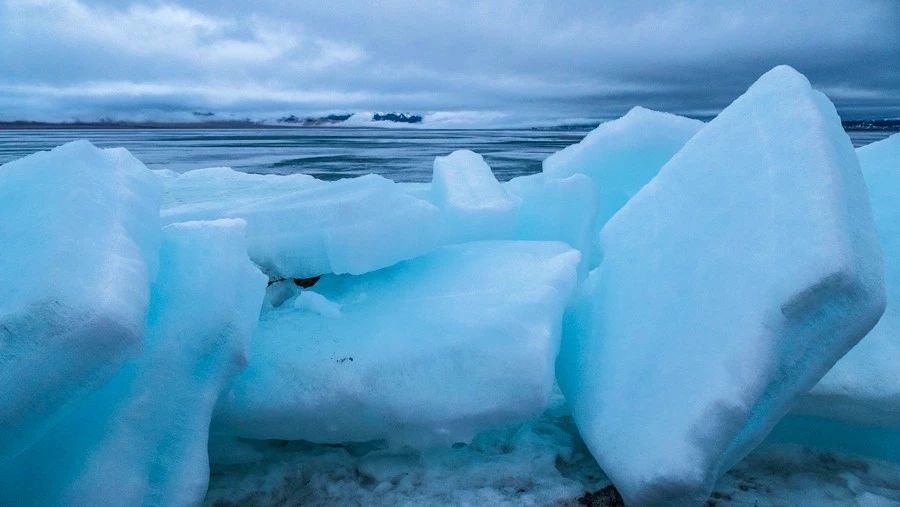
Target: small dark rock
274 281
606 497
306 282
717 495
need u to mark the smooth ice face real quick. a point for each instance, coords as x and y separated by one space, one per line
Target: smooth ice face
622 155
300 227
730 284
474 205
79 231
431 350
141 438
864 386
553 209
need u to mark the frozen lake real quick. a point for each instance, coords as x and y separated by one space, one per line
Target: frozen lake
327 153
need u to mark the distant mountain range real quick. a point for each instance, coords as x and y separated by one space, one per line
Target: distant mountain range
210 120
320 121
336 119
875 125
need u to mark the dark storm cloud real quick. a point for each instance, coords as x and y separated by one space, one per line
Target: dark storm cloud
75 58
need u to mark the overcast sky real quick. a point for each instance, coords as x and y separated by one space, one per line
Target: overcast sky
63 59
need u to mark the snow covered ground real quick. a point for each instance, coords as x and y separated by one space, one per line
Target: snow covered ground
540 462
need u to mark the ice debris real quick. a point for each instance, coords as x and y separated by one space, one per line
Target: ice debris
473 203
79 232
430 350
300 227
864 386
140 438
856 406
730 284
621 156
737 262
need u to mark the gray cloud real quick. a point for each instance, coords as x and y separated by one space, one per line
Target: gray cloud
63 59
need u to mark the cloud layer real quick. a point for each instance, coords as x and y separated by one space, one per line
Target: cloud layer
65 59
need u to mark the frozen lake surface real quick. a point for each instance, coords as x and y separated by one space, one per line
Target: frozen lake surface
326 153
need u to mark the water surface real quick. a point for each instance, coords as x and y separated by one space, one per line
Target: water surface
327 153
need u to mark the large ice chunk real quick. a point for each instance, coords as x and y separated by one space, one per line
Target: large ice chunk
622 155
556 209
300 227
79 231
864 386
473 203
730 284
433 349
141 438
856 406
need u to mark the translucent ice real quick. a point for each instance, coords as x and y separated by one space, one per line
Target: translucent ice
432 349
730 284
856 406
556 209
474 205
298 226
864 386
141 438
622 155
79 231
